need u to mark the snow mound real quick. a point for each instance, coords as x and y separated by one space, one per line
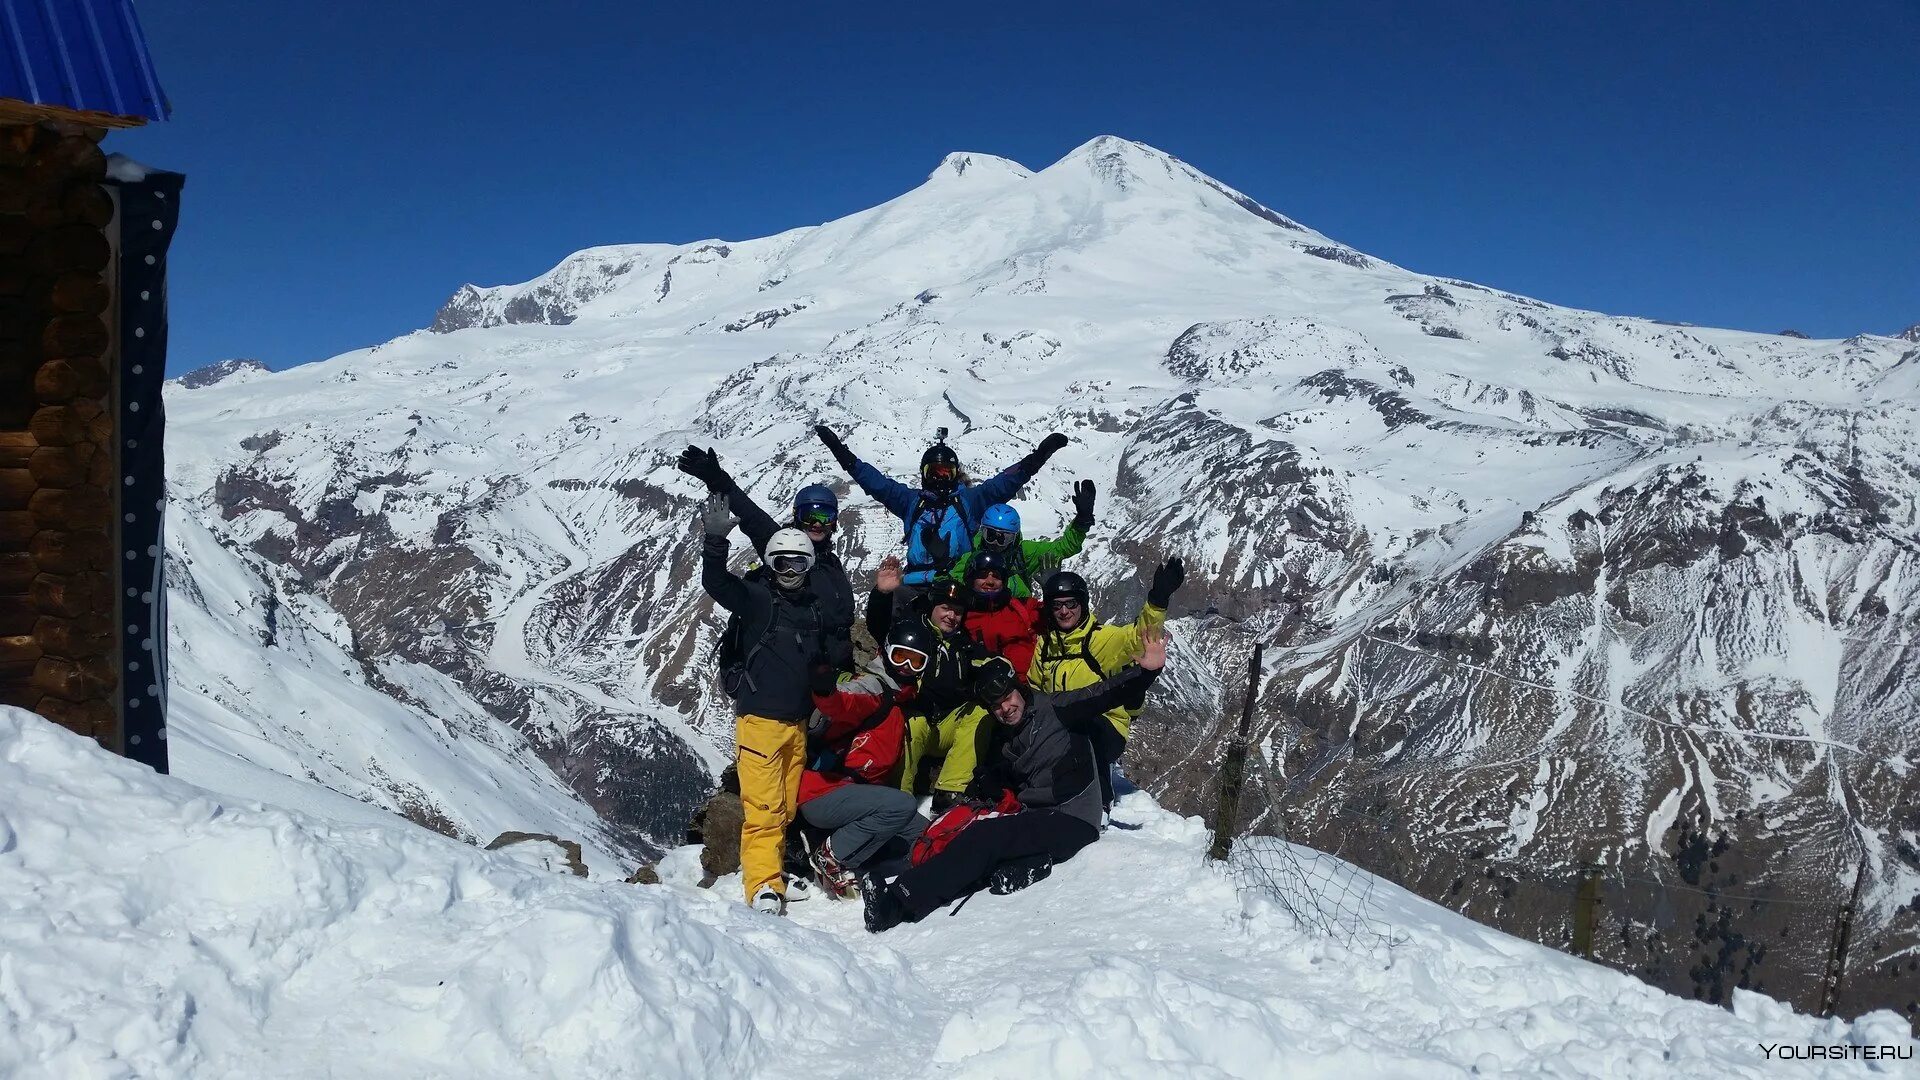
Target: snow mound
149 929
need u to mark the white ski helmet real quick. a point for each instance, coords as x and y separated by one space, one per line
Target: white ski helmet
789 556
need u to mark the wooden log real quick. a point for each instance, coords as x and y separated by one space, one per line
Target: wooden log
85 507
17 571
15 234
17 615
93 374
16 529
15 141
56 382
20 319
57 551
16 447
99 430
62 466
71 715
70 596
69 157
16 488
20 648
18 679
86 409
75 335
88 204
87 635
81 248
56 425
15 191
100 469
98 679
81 294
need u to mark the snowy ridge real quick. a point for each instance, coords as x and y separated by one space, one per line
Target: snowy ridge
199 936
1710 527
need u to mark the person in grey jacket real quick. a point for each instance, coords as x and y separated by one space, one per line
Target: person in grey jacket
1040 752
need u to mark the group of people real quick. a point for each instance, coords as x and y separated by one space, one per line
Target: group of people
995 690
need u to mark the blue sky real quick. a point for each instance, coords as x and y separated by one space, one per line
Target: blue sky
350 164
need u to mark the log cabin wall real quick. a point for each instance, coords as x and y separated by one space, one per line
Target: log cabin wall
59 653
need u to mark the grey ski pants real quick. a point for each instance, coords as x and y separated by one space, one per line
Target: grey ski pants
862 817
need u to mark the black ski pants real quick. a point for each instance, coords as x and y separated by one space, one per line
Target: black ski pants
1030 837
1108 746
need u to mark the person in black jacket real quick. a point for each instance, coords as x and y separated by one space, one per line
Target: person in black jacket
816 512
1040 752
943 720
775 637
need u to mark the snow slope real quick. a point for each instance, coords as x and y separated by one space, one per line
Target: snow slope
150 928
1703 544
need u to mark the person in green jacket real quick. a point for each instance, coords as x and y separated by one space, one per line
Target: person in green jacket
1032 560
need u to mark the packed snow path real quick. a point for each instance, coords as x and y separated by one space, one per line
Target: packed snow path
149 928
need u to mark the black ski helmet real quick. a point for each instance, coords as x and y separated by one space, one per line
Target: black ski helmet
940 469
947 591
984 560
1062 584
909 634
993 681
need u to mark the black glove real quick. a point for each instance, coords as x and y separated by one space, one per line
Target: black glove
1083 504
936 545
715 517
704 466
1049 446
822 678
835 447
1166 582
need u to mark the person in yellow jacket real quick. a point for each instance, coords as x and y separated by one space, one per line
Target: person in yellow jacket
1076 650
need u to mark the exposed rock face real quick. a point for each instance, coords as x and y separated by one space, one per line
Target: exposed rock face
1541 587
218 372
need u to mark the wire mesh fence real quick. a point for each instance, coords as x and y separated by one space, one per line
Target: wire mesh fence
1322 860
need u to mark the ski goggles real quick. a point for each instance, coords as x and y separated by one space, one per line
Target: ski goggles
940 472
815 514
998 538
790 564
1065 604
907 659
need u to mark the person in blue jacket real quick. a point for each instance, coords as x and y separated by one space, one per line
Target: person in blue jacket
942 515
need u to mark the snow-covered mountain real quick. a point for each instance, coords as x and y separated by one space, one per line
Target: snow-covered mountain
173 932
1543 586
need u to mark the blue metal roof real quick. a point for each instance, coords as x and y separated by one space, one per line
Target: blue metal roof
81 54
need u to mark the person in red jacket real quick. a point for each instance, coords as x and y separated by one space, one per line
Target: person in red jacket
1005 624
849 788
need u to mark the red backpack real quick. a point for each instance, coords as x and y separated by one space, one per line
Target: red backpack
954 821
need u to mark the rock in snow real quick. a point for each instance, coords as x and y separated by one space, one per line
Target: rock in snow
151 928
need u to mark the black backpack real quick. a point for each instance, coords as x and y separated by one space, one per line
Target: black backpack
736 652
1086 651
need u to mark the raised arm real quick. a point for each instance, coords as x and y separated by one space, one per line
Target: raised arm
704 466
880 602
1004 486
894 495
1127 690
727 591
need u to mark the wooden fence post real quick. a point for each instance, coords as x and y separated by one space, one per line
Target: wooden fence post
1586 910
1233 769
1842 936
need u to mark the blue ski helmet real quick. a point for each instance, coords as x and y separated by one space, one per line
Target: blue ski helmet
1002 516
818 502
